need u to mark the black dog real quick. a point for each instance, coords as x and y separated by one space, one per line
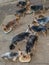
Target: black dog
21 3
37 7
30 43
21 11
18 38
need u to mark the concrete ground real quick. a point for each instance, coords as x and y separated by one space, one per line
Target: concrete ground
41 56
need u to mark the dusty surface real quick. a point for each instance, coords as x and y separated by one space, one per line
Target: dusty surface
41 56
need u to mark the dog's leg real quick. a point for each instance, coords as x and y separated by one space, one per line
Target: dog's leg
34 47
36 40
32 31
33 50
44 11
14 59
36 33
24 14
44 33
17 21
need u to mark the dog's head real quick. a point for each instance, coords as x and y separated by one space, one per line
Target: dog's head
11 47
4 27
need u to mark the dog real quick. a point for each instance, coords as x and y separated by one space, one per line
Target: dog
24 3
18 38
37 8
26 8
21 4
21 12
38 29
10 56
30 43
10 25
43 21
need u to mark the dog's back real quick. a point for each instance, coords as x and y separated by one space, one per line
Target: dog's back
11 23
21 11
10 55
18 38
37 7
22 3
38 28
31 42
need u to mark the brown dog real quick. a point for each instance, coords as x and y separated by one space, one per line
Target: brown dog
9 26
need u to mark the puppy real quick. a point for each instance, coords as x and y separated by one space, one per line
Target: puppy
10 56
21 4
37 7
9 26
30 43
38 29
24 3
18 38
21 11
43 21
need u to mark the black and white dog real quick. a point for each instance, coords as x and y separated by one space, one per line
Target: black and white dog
31 42
18 38
10 56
